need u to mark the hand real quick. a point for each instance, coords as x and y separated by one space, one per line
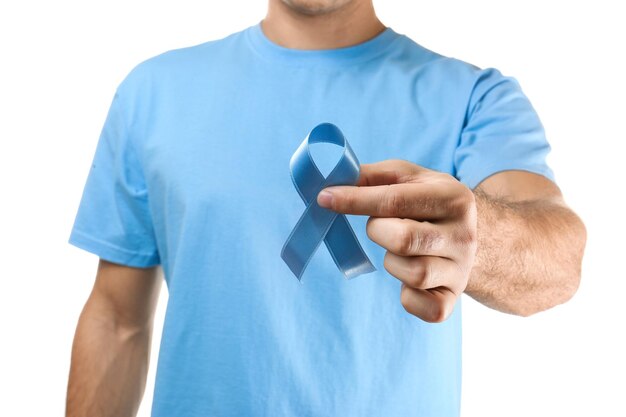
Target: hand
427 222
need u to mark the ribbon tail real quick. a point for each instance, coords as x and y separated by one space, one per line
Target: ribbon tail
306 237
346 250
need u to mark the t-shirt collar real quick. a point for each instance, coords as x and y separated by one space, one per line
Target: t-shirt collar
319 57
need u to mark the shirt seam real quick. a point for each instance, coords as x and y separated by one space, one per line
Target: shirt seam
480 175
89 236
301 65
130 138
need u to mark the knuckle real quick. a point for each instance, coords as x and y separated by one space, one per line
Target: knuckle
466 237
431 239
463 203
413 239
392 202
406 242
347 202
420 273
456 205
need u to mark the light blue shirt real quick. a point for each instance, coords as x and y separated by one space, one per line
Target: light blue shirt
191 171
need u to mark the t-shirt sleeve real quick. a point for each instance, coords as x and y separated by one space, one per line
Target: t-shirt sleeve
113 218
502 131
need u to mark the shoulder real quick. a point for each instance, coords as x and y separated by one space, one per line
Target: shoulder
442 72
177 64
417 54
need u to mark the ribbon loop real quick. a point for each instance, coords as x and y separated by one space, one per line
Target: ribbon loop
317 223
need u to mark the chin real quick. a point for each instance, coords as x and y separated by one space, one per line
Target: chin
315 7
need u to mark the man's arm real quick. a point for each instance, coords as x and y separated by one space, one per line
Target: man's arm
530 244
111 348
512 243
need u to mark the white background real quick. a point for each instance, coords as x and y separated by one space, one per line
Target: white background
61 61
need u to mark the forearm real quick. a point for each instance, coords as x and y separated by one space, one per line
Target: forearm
109 364
529 254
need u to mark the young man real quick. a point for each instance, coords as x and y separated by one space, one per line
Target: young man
191 173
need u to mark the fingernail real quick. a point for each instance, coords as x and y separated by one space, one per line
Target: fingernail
325 198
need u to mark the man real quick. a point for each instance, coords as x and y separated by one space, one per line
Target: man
191 173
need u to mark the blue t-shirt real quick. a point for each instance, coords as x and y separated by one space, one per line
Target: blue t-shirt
191 171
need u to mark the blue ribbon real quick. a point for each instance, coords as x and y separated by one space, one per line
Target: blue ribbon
319 223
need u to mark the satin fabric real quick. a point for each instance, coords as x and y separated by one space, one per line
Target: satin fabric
317 223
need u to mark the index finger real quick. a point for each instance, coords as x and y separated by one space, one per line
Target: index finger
406 200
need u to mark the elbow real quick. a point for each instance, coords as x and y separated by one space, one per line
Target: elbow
572 269
561 288
551 297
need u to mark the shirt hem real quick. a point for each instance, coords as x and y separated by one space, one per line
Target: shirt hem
111 252
479 174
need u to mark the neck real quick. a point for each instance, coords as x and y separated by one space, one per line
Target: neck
349 25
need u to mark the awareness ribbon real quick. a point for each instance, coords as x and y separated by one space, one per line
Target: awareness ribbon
318 223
